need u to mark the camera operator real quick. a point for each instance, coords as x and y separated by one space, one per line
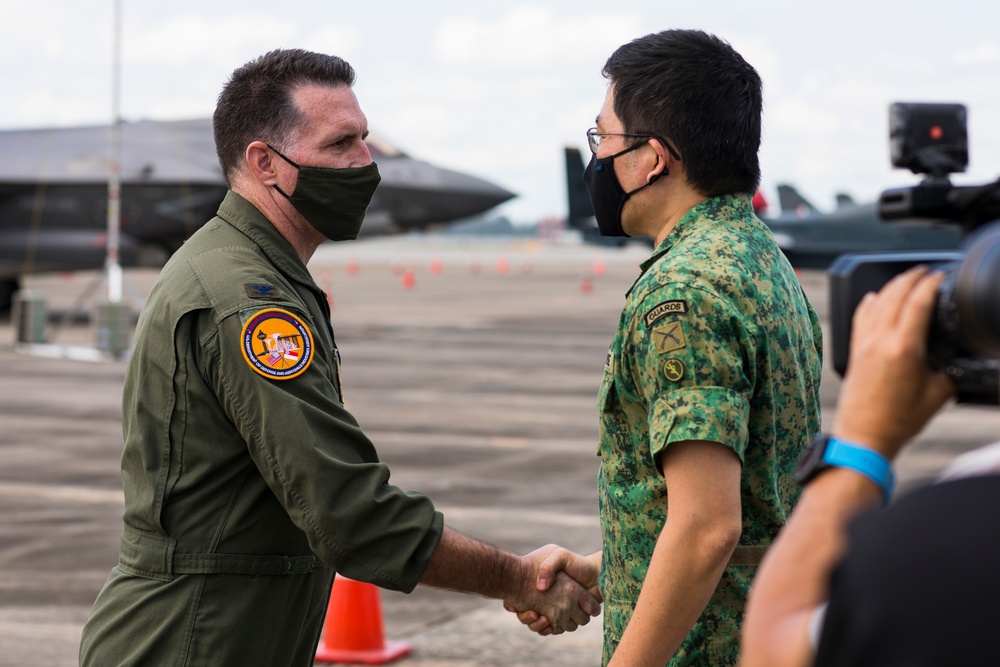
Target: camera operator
915 584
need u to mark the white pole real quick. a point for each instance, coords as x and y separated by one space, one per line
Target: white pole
112 264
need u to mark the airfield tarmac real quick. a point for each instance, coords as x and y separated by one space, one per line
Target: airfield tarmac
476 379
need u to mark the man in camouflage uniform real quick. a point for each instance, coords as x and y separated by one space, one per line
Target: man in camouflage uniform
711 386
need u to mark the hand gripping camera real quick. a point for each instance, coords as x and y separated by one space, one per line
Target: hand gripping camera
964 338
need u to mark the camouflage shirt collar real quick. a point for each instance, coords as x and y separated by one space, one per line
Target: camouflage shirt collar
736 206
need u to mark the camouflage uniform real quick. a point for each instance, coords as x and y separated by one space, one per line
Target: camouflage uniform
716 342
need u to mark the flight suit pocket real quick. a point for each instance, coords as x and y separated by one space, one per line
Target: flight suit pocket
616 449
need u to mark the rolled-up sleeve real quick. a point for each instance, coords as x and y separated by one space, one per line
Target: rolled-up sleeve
691 363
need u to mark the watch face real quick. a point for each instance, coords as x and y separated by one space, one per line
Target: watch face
811 460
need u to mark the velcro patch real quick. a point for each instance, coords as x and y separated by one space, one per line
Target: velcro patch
277 344
669 337
659 311
262 291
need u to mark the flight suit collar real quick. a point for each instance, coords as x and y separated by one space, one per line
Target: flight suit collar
245 217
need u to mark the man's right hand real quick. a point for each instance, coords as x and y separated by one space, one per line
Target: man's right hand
555 565
563 603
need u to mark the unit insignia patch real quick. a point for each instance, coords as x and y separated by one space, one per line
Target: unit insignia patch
659 311
669 337
673 369
277 344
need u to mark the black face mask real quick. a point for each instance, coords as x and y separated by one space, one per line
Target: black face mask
606 193
334 201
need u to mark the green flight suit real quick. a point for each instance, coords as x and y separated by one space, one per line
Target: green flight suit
245 489
716 342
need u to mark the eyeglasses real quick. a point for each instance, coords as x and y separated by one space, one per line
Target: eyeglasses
594 140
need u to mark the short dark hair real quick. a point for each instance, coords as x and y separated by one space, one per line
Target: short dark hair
695 90
256 103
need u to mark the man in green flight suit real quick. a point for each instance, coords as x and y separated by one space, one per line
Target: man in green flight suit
711 386
247 484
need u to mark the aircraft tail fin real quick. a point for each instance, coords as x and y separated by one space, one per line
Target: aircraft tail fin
581 211
793 203
845 200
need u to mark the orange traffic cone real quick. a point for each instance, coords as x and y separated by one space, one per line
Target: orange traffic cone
352 632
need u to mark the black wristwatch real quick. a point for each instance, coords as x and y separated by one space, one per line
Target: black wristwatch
826 451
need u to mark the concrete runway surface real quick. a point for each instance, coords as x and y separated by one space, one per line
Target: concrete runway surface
475 377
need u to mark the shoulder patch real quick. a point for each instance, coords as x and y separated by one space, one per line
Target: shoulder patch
262 291
673 369
669 337
277 344
659 311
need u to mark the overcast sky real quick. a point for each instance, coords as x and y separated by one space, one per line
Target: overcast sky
497 89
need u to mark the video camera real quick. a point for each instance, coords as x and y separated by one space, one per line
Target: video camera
964 338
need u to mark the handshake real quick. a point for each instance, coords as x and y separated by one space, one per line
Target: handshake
557 590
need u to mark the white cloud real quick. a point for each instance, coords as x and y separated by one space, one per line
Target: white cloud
38 34
199 40
337 40
986 53
797 116
531 36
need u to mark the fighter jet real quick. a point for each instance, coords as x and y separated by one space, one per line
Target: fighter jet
809 238
53 195
812 239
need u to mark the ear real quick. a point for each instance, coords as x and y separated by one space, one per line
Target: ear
664 160
259 163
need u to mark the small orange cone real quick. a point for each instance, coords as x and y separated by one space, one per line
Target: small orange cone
586 285
437 266
599 267
352 631
353 268
503 266
409 280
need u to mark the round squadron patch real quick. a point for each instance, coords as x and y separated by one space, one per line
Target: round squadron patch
673 369
277 344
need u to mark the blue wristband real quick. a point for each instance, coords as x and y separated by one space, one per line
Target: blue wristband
868 462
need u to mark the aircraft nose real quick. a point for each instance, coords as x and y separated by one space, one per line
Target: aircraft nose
416 193
473 195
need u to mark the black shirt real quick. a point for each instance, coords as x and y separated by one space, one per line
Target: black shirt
920 584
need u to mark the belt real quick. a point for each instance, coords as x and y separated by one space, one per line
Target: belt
150 555
748 554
